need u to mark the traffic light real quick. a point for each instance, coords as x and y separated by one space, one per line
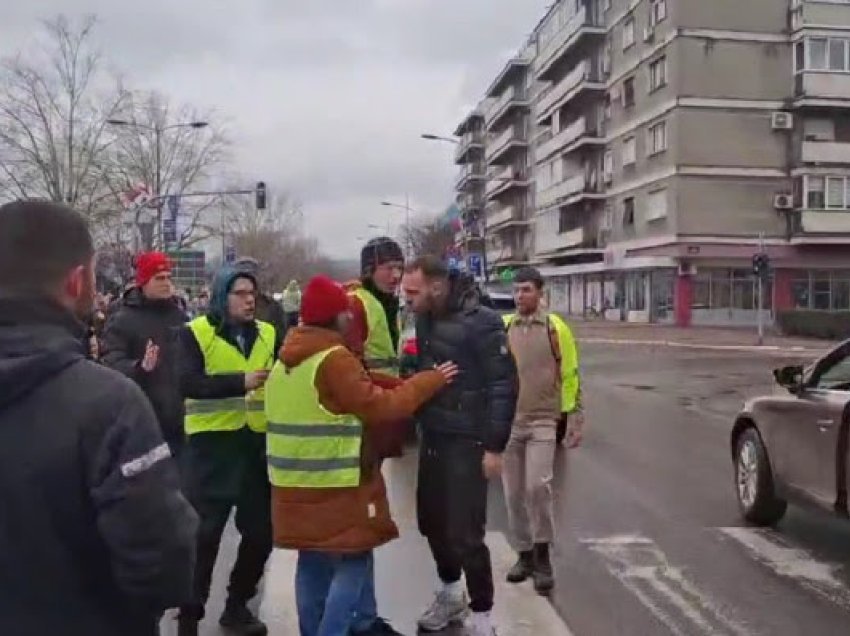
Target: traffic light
761 265
261 195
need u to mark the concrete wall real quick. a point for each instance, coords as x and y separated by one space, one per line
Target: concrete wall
728 207
738 138
734 15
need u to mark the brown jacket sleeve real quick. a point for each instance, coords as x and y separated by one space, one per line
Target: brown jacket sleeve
344 386
358 330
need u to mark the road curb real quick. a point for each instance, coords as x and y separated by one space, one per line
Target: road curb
769 349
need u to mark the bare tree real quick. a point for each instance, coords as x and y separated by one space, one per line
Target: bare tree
53 110
429 237
276 238
172 151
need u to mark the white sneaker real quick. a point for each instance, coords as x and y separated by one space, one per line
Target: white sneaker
444 611
479 624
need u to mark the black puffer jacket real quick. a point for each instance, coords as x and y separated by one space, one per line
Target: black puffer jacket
135 321
481 402
95 537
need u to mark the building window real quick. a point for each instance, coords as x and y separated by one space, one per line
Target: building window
628 32
606 5
835 192
815 199
657 11
726 289
823 54
656 205
608 165
657 74
822 290
629 92
628 212
629 151
657 138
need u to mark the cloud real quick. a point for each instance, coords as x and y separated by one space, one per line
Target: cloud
327 98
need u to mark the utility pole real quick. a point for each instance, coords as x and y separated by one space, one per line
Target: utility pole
761 269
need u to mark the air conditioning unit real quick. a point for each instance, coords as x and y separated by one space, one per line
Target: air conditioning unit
783 202
687 269
781 120
648 34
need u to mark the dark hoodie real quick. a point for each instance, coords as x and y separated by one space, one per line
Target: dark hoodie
95 537
480 403
132 324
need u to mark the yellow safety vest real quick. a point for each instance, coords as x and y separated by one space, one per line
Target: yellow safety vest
220 358
307 445
379 353
566 355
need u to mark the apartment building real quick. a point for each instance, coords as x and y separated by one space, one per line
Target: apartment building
470 183
509 194
672 139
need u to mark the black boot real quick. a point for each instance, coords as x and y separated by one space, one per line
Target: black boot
523 568
544 580
187 626
237 619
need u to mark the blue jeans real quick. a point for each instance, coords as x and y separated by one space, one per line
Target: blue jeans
335 593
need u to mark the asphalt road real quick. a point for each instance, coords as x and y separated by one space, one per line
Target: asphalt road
649 537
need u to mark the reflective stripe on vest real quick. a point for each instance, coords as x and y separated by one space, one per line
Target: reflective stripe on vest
222 358
379 352
307 445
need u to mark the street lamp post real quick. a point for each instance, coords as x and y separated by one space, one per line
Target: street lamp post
157 131
407 210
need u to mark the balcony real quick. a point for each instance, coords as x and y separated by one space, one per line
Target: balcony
813 14
569 139
469 172
825 222
469 202
558 192
826 152
506 254
822 85
505 179
498 215
513 97
579 26
469 142
578 80
513 137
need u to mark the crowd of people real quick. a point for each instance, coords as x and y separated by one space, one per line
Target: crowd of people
131 429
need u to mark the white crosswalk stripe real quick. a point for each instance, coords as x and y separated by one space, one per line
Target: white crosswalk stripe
771 549
642 568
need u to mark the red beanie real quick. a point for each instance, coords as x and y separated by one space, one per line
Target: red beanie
149 264
323 300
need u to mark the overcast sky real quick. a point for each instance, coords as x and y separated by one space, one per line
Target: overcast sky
325 98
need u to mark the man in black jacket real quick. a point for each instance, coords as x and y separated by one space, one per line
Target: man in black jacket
95 537
140 341
464 432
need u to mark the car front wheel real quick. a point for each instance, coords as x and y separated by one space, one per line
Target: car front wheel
754 481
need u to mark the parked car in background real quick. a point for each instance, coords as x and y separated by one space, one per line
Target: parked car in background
793 446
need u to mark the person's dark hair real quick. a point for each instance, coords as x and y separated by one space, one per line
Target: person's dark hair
40 243
529 275
432 267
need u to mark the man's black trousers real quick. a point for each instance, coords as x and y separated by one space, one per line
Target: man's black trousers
222 471
451 501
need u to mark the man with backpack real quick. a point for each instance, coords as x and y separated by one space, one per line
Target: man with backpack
549 392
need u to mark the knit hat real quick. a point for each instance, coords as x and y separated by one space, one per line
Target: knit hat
378 251
149 264
323 300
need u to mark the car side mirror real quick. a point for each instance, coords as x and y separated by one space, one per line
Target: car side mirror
790 377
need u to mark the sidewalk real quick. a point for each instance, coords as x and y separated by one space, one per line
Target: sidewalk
739 339
406 575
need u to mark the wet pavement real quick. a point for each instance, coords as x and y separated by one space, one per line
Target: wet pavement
649 537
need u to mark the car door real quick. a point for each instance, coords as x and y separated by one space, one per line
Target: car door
814 428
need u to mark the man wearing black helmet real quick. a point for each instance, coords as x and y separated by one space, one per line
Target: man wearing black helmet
374 337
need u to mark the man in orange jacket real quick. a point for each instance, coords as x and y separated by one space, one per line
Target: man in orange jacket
333 507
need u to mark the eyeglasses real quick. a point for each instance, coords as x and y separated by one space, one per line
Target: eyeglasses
244 293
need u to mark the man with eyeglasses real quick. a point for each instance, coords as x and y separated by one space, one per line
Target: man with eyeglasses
226 357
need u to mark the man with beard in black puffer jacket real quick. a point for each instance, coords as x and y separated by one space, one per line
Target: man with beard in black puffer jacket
95 537
141 341
465 429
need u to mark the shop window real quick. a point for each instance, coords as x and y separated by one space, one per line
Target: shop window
800 293
821 293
